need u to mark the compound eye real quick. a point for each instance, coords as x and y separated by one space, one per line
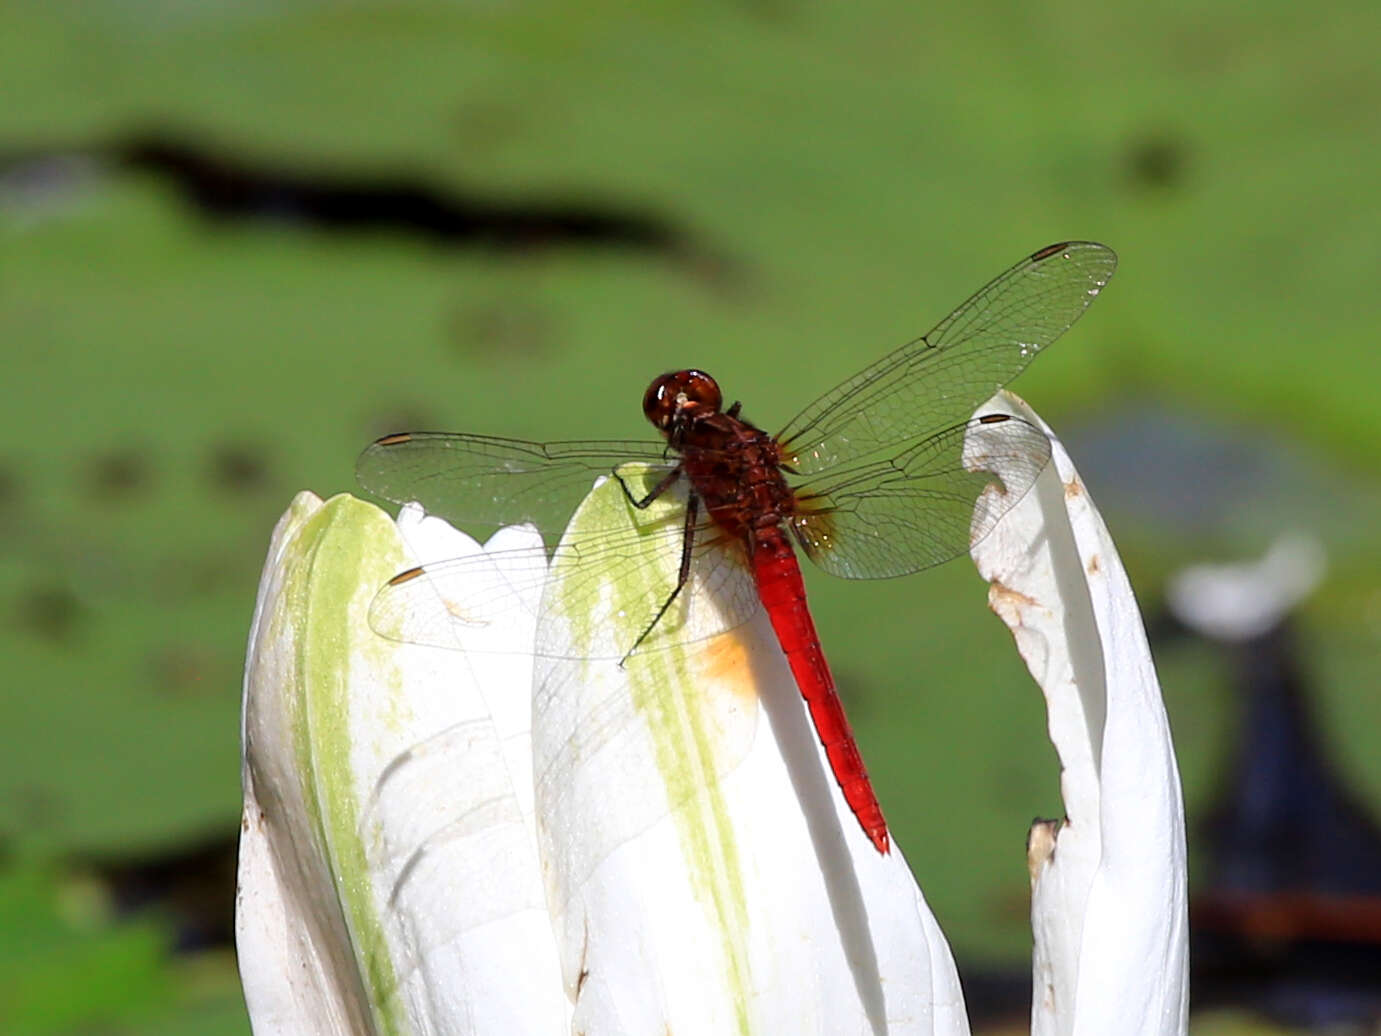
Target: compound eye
668 394
700 388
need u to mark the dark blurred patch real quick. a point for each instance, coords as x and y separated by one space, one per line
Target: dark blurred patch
36 808
1157 162
11 504
53 613
1288 820
502 331
996 997
228 188
173 579
237 468
1288 923
185 670
9 487
857 694
117 474
192 885
223 186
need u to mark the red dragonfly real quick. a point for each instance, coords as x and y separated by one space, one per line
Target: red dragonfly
884 488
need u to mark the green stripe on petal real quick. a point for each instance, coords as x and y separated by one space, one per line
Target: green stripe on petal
332 569
691 735
665 692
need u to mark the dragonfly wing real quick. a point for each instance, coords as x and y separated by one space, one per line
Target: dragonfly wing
457 602
620 552
620 743
601 738
941 378
916 509
488 482
441 810
597 717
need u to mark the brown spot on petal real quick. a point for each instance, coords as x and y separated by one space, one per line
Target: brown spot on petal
584 961
999 592
1009 605
1095 565
1073 488
1040 845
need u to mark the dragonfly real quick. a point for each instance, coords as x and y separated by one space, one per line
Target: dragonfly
871 480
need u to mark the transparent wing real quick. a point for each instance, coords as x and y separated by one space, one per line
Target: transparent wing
440 603
619 746
941 378
916 509
597 712
443 815
488 482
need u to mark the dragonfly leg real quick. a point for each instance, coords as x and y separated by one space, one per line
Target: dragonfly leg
656 491
682 577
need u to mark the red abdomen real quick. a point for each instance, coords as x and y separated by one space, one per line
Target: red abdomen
784 595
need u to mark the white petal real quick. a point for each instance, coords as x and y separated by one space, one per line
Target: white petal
705 873
1109 899
391 851
295 965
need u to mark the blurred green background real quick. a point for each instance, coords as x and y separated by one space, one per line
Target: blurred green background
787 190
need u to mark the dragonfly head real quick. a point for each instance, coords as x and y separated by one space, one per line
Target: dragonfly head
675 398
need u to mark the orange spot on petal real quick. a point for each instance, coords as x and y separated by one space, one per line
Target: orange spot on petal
722 662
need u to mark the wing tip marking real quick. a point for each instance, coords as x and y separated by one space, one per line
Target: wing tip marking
407 576
1041 254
